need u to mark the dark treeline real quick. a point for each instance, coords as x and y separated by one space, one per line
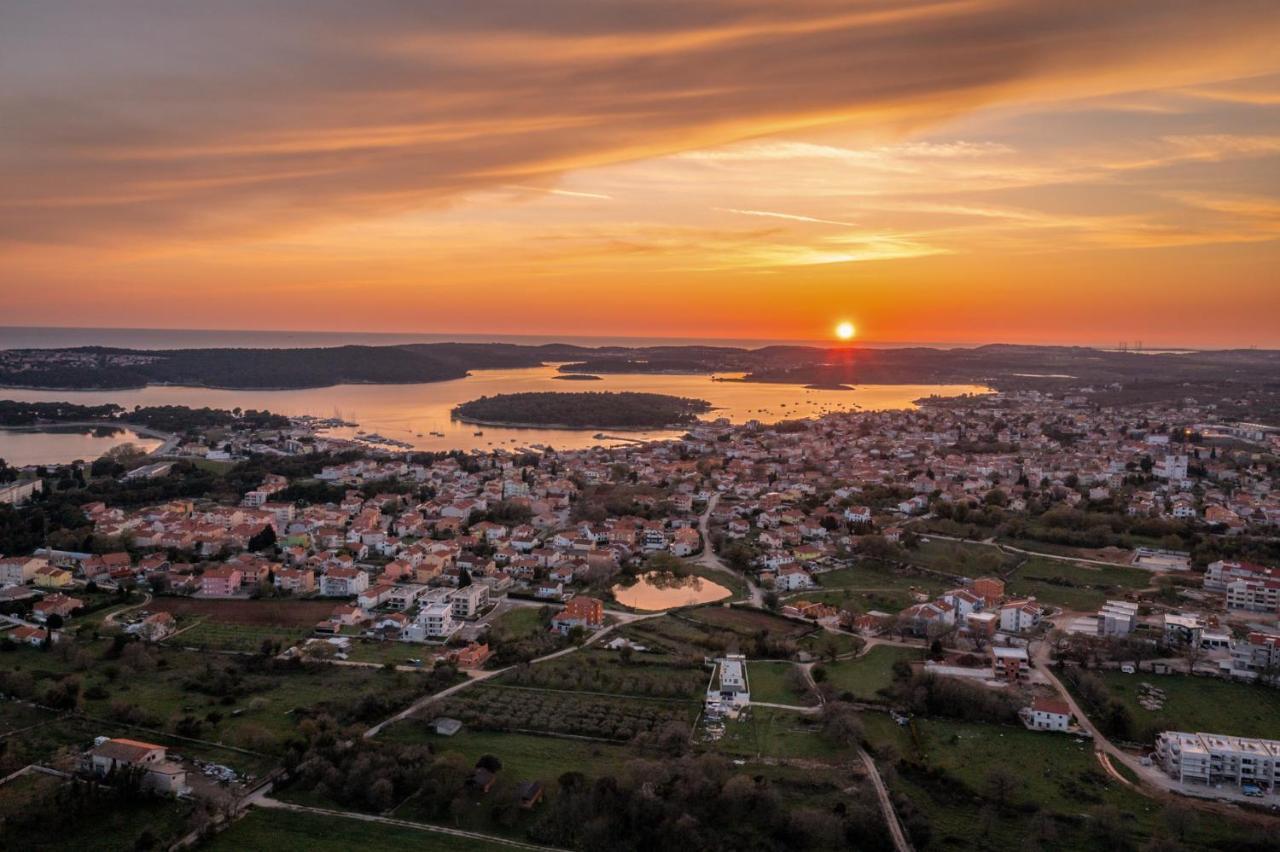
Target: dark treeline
606 410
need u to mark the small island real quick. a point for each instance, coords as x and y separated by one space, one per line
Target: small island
578 377
592 410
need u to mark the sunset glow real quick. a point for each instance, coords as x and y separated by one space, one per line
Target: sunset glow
845 331
1044 172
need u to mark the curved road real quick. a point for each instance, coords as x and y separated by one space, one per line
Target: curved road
708 558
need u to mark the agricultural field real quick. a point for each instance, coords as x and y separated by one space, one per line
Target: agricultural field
498 708
1197 704
864 677
280 829
601 671
526 755
265 612
250 701
990 787
778 683
217 636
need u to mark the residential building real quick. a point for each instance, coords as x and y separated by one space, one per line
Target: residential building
158 773
469 601
579 611
1219 759
1253 595
343 582
729 691
1048 714
1010 664
16 570
1257 657
222 581
1117 618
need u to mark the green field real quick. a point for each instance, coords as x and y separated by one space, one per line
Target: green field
865 576
100 822
218 636
597 670
1198 704
764 732
524 755
947 775
865 676
290 831
772 683
1074 586
246 701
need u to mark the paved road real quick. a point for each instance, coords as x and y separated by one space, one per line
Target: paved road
709 559
1155 783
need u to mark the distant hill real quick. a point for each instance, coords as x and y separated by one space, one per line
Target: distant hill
1006 367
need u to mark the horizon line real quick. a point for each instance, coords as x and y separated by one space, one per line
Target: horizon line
711 340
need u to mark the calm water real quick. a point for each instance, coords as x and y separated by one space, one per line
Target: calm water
22 448
653 592
412 412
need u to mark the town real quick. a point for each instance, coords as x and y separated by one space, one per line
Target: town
885 594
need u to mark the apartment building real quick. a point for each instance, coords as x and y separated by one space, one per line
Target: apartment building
1218 759
1257 656
1253 595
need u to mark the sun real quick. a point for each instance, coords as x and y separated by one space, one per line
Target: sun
845 330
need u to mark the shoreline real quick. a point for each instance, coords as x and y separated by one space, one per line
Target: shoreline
565 427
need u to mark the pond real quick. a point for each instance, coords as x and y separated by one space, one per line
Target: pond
657 591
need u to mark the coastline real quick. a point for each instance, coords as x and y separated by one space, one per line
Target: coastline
566 427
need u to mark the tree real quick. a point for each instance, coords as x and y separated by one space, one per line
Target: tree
263 539
841 724
54 621
1000 786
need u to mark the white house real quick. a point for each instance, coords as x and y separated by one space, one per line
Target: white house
1048 714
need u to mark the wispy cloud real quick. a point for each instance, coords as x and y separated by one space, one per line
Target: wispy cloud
793 217
566 193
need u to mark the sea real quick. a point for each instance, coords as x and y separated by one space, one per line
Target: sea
419 415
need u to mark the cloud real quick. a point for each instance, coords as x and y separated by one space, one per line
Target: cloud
237 120
789 216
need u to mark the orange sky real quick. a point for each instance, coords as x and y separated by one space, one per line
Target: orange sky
969 171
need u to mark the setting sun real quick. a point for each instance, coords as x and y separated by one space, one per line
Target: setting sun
845 331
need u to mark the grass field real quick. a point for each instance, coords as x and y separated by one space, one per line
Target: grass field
1199 704
1074 586
218 636
176 683
772 683
866 576
287 831
525 755
865 676
768 733
947 776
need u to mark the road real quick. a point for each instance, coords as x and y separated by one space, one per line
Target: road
112 616
900 841
1154 783
623 618
1008 548
264 801
709 559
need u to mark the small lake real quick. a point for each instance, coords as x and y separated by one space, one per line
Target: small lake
653 592
411 413
60 446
